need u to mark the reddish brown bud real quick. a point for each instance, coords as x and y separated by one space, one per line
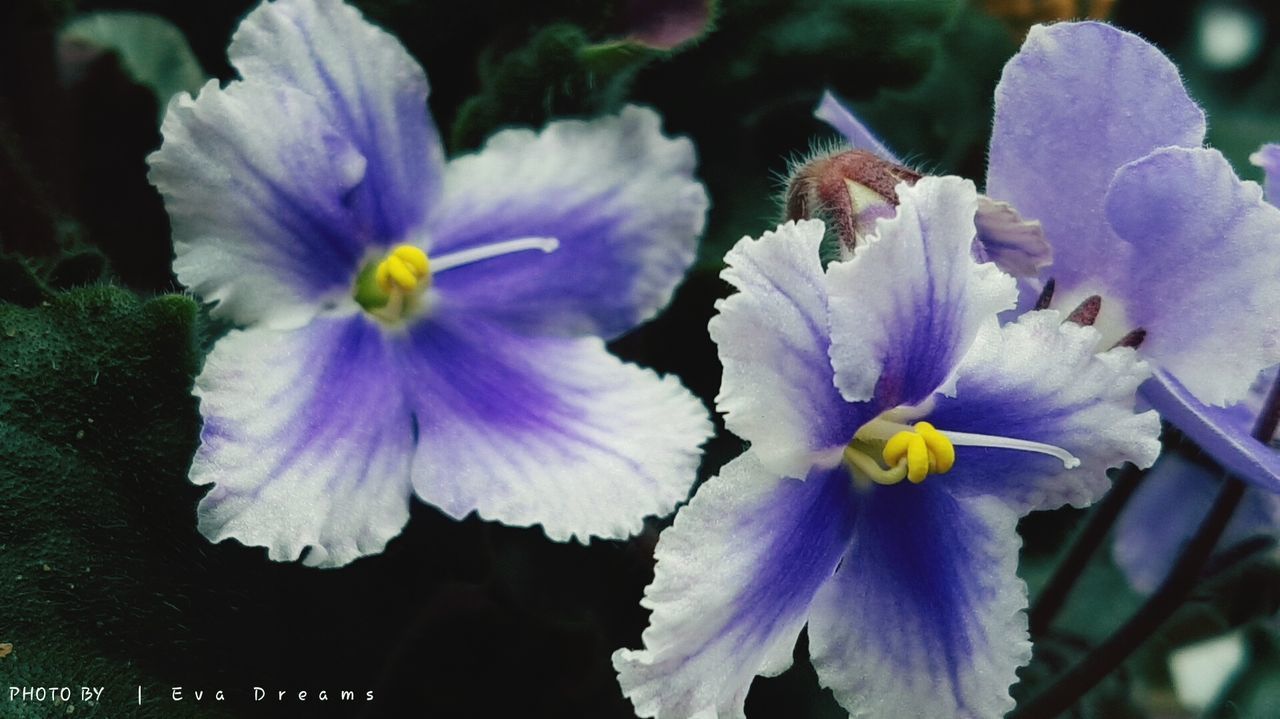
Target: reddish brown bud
849 191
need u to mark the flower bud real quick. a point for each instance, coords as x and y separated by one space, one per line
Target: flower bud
848 191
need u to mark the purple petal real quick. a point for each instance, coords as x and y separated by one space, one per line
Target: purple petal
925 617
545 430
777 390
1167 509
1268 158
1226 433
258 188
1209 278
1015 245
847 124
735 577
367 86
1040 379
307 439
1078 101
909 304
618 195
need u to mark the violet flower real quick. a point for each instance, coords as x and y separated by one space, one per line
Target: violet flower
1167 508
886 367
417 327
1154 237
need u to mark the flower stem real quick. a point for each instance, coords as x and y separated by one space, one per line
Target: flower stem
1104 658
1173 591
1054 594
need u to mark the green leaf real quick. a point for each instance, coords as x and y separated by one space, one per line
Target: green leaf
559 71
97 427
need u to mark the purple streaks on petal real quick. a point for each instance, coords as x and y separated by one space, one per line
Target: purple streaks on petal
813 520
368 86
534 429
923 618
618 195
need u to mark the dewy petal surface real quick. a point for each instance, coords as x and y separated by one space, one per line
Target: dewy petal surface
832 112
367 85
1078 101
907 306
307 440
1209 282
1041 379
545 430
1226 433
925 617
735 577
258 187
1167 509
776 391
618 195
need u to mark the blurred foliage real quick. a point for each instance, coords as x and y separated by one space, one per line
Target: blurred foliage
1253 692
153 52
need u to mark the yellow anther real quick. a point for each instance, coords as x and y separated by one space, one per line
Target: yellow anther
414 257
896 448
942 454
401 273
403 269
923 451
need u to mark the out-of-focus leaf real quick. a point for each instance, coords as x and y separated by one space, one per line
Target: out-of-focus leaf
150 48
559 71
945 120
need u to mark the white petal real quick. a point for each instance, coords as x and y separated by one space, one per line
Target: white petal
736 574
777 391
907 306
1042 380
925 617
307 441
546 430
618 195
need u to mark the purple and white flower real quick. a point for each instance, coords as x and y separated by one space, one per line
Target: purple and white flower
897 434
417 326
1096 138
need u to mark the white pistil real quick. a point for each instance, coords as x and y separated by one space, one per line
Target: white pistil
882 430
497 249
965 439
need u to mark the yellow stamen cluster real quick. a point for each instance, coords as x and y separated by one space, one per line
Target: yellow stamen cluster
925 450
404 269
910 454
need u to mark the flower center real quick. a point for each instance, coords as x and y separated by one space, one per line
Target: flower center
391 288
914 452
